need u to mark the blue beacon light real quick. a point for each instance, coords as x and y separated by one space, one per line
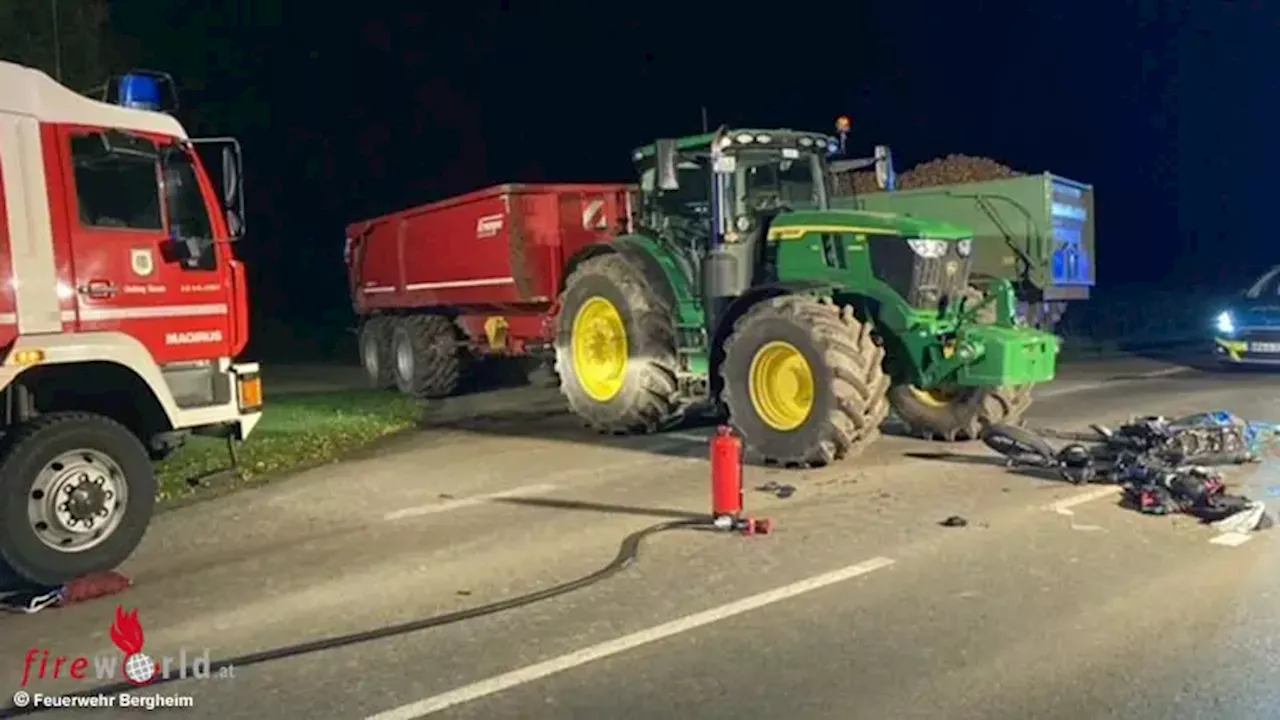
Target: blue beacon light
139 91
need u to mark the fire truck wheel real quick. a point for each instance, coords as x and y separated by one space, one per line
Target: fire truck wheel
77 492
428 361
957 414
803 381
616 349
375 352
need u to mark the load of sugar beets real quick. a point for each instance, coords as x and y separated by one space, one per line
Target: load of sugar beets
950 170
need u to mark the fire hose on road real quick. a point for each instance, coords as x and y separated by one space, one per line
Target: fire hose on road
726 516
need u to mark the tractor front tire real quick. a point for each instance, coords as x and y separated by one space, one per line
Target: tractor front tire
77 492
958 415
427 356
375 352
616 349
803 382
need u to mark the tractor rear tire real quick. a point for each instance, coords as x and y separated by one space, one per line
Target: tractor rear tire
961 415
428 356
77 492
375 352
616 349
835 387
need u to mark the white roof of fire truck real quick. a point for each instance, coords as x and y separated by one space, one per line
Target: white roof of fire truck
27 91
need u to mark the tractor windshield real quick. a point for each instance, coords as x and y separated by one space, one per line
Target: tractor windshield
768 179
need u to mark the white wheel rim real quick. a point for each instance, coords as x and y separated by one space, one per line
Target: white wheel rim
78 500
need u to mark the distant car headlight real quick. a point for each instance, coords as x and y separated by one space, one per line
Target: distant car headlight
1226 324
964 247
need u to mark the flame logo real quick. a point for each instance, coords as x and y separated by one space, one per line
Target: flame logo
126 633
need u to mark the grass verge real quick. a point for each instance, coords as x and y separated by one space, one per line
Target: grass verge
296 432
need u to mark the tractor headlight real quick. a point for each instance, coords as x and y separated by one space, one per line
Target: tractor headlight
928 248
964 247
743 223
1226 324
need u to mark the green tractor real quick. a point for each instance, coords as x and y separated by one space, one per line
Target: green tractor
742 291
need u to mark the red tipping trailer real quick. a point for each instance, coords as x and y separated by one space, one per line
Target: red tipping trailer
477 274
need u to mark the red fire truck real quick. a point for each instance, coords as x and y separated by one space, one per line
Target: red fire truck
121 307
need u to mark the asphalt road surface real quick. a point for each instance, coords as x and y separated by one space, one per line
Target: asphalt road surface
1053 602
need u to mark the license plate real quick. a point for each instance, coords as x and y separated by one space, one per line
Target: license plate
1263 347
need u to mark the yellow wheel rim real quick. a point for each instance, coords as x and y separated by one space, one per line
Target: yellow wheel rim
600 349
937 397
781 385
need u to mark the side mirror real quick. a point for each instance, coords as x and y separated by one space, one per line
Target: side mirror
886 178
229 167
233 190
665 160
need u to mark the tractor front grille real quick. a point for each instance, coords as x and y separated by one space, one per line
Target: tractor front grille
925 283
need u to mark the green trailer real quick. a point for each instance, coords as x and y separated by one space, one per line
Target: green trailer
1037 231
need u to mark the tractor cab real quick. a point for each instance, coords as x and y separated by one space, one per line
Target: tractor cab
723 187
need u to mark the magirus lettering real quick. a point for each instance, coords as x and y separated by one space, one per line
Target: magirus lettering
193 338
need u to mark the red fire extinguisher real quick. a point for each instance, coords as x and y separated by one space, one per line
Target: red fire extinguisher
726 474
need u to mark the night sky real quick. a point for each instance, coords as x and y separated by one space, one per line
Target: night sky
357 110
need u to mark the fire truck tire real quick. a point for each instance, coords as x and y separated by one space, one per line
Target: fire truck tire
103 471
375 352
616 349
957 414
804 382
427 356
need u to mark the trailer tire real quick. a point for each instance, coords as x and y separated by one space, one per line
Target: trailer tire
633 387
428 359
375 352
833 353
69 451
959 415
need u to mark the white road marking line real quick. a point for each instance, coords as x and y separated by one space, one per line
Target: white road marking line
1162 373
537 671
1063 507
460 503
1231 539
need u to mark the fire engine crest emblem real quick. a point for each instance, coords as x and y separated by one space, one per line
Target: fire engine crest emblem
142 262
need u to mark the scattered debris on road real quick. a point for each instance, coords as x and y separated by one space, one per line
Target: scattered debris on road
777 490
1162 465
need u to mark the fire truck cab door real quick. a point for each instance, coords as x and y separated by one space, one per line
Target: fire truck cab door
143 257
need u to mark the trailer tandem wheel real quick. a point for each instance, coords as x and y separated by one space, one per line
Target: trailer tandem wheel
375 352
428 357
